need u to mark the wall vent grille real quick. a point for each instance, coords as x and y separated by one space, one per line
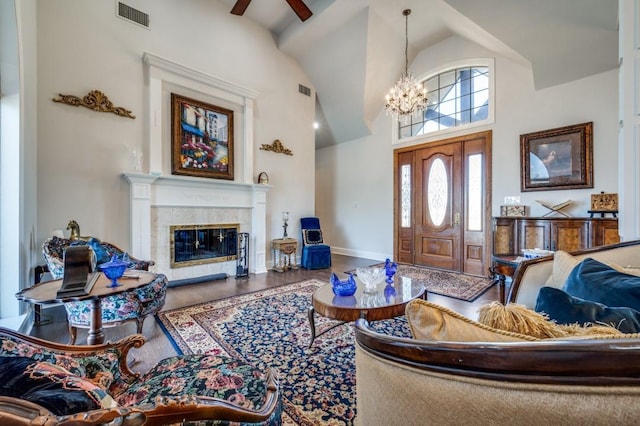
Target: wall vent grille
304 90
134 15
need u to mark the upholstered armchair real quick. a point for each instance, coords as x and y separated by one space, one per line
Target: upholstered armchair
134 305
315 253
46 383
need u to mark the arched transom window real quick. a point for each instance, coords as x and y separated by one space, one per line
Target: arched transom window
456 97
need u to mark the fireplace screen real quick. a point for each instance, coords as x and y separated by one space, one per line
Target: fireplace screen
198 244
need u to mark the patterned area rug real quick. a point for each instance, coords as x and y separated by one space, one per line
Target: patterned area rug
451 284
270 328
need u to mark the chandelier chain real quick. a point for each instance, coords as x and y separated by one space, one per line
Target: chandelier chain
406 39
407 98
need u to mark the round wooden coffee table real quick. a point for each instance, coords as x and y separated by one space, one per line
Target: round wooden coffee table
385 303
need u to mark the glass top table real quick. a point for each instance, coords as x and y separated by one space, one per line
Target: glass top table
387 302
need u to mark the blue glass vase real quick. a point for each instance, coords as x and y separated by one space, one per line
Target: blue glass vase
390 269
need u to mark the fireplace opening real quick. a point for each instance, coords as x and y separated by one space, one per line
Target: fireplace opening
199 244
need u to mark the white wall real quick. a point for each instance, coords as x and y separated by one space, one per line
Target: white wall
354 189
83 46
19 144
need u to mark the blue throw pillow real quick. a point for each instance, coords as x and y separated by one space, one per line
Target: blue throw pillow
597 282
50 386
566 309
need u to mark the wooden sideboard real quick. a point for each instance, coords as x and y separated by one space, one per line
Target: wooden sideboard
511 235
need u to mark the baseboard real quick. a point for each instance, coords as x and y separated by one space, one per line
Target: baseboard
195 280
360 253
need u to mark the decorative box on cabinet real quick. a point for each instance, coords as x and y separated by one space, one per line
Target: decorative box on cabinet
511 235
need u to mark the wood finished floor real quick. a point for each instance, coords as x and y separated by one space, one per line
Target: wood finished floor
158 345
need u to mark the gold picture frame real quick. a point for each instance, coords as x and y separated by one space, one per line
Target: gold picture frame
554 159
604 202
202 139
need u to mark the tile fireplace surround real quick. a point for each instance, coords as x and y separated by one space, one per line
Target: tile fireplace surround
157 202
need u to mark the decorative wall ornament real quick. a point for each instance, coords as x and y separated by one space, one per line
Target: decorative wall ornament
95 100
276 147
263 178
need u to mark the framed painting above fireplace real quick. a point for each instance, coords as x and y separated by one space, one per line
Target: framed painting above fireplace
202 139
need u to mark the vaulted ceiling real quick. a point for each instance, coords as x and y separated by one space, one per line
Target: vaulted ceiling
353 50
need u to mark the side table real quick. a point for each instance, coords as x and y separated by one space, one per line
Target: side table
283 249
503 266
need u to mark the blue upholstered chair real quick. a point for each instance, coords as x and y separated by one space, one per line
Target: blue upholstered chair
315 253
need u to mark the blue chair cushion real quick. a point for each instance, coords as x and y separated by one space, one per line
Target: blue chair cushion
312 236
566 309
316 256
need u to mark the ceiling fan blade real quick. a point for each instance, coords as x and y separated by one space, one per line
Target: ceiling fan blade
300 9
240 7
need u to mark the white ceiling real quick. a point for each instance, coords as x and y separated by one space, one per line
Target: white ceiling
353 50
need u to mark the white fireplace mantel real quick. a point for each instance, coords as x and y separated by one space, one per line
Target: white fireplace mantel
148 191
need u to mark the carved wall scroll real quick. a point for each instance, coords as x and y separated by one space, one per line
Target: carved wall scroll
276 147
95 100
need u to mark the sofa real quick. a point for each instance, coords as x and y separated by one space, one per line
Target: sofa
47 383
456 370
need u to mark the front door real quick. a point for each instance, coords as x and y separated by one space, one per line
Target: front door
452 207
439 206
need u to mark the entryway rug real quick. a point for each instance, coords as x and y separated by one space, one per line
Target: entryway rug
451 284
269 328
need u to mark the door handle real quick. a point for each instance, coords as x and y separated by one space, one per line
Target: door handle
456 218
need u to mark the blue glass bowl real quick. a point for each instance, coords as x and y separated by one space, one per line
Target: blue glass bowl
113 270
343 288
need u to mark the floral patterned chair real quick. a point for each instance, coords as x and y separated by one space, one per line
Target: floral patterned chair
134 305
47 383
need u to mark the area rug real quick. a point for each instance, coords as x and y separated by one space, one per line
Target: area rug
269 328
451 284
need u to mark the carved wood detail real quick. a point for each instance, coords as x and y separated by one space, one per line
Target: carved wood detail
95 100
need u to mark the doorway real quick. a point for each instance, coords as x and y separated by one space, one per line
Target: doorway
442 193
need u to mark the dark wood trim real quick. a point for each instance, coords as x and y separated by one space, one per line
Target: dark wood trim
487 136
566 362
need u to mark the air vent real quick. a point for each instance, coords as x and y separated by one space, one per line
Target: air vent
134 15
304 90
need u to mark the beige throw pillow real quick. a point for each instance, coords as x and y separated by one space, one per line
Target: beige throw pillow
432 322
563 264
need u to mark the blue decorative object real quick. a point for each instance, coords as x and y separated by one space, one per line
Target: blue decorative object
343 288
390 268
345 301
114 269
389 292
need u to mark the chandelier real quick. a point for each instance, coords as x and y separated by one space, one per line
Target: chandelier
408 97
